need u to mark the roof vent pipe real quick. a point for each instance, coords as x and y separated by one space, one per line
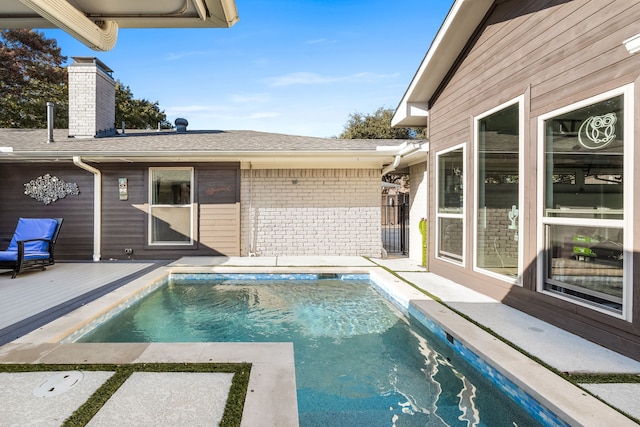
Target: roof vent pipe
49 122
181 125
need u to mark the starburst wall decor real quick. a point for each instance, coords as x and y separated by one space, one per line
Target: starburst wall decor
47 189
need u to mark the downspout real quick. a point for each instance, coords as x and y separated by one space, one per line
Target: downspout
97 205
407 149
252 224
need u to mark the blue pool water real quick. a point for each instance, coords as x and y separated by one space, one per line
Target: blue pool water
359 362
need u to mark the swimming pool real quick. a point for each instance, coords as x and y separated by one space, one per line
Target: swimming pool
358 360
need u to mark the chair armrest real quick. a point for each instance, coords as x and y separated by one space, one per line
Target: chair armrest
22 242
33 240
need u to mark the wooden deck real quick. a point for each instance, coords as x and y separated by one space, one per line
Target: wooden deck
35 298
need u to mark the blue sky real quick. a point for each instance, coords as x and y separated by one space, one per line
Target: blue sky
297 67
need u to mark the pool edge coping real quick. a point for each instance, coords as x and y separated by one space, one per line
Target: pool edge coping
566 400
563 398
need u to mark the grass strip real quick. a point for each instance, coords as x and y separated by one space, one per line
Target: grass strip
604 378
234 406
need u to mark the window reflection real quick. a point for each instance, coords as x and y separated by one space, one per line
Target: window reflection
450 205
171 209
498 192
586 262
583 187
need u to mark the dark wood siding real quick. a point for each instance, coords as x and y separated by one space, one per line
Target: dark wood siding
76 236
553 53
124 222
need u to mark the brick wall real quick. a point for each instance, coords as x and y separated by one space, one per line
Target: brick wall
311 212
497 244
92 101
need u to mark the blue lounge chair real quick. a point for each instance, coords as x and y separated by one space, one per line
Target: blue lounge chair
32 245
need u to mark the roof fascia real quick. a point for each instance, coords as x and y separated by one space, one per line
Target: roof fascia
343 159
452 37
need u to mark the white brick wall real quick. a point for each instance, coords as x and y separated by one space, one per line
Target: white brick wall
311 212
92 101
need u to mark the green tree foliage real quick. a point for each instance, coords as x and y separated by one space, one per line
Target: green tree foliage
31 74
138 113
377 126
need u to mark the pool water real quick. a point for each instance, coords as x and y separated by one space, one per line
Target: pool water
359 362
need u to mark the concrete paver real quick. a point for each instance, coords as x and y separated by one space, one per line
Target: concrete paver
20 407
168 398
624 396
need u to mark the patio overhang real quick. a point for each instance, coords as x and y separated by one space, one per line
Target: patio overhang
451 39
96 22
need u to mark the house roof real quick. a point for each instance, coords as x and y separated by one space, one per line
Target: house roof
96 22
260 148
452 37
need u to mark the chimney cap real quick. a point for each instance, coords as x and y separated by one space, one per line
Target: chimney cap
92 60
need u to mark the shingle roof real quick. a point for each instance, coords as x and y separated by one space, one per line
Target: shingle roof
32 143
193 140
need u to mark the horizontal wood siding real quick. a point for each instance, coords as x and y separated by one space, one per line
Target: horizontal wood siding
76 235
220 228
554 53
219 210
125 222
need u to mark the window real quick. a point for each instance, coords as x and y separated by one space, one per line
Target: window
583 199
497 237
171 208
450 212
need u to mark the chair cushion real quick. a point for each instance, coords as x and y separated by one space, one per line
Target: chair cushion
8 256
33 228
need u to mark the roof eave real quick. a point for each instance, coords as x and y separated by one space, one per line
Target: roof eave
455 32
354 158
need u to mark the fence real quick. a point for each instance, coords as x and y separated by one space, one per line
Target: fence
395 226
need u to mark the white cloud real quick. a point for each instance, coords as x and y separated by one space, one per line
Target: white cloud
304 78
264 115
300 78
180 109
316 41
255 98
174 56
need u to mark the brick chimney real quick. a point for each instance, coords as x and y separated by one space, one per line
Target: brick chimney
92 98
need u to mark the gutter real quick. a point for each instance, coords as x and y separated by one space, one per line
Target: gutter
405 149
98 36
97 205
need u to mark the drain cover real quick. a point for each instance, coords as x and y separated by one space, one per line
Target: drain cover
58 384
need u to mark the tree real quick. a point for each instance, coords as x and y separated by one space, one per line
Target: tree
31 74
138 113
377 126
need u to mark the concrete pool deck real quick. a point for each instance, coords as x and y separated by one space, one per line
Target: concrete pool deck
558 349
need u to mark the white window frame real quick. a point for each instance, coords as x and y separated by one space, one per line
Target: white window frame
462 215
189 243
521 211
626 223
